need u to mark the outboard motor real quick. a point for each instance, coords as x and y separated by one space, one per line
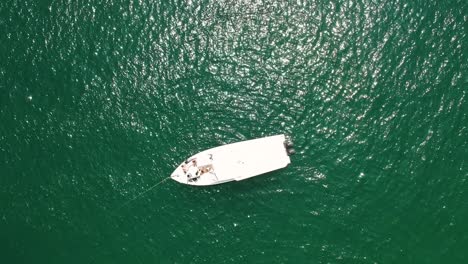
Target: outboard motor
289 147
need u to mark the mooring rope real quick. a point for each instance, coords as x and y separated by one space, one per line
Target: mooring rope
141 194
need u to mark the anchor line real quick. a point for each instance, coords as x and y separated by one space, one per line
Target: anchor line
141 194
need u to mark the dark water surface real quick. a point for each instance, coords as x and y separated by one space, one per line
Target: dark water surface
100 100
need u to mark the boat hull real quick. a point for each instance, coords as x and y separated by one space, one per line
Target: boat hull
234 162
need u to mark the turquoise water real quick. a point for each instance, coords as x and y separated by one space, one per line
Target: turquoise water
100 100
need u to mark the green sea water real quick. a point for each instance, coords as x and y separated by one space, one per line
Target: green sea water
100 100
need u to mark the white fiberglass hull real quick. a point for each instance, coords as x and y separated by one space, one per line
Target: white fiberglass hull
234 162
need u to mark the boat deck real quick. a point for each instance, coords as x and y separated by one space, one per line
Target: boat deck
234 162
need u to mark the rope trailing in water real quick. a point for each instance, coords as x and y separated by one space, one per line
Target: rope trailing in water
141 194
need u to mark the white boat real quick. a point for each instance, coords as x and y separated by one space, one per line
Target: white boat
235 162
